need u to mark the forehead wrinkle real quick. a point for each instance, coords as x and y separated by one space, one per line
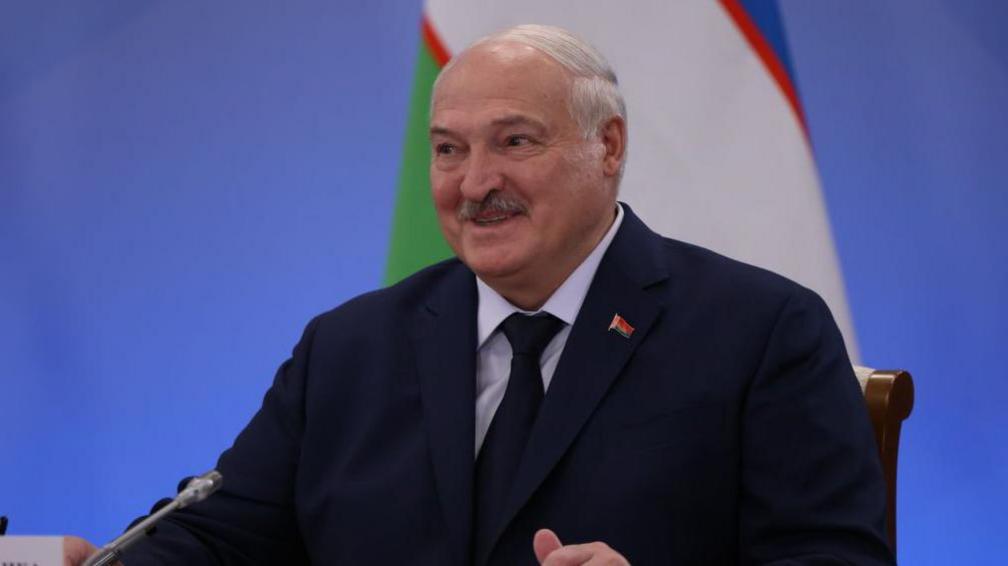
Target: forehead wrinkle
517 120
507 119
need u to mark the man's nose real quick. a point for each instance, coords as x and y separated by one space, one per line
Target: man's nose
482 175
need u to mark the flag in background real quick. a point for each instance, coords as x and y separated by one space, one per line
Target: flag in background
718 152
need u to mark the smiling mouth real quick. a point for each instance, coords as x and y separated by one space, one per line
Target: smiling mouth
497 218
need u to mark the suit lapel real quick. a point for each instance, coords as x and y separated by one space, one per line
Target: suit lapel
445 340
593 356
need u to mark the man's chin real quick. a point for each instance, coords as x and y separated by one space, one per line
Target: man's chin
491 269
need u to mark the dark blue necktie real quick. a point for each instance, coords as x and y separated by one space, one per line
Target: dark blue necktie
509 430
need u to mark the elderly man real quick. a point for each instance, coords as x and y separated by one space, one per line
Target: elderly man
572 389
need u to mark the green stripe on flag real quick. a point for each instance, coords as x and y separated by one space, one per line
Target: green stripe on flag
416 238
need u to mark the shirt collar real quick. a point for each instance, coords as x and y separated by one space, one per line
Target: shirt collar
564 303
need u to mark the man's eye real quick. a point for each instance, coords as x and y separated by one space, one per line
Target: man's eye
445 149
515 141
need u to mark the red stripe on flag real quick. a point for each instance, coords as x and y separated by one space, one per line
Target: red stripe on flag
767 55
619 324
433 41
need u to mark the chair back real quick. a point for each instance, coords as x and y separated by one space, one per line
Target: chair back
890 397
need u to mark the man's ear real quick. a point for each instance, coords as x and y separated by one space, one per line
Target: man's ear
614 140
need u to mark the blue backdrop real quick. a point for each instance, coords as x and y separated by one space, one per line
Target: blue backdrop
183 185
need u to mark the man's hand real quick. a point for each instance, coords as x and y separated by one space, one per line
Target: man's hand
76 550
551 552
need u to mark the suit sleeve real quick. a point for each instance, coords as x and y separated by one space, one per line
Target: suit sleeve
812 487
252 519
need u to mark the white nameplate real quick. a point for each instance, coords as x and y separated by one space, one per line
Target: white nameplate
31 551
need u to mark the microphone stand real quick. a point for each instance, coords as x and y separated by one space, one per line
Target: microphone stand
198 489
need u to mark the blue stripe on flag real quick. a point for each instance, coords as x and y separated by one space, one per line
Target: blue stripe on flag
766 16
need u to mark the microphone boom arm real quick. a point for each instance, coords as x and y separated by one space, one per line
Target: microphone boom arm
198 489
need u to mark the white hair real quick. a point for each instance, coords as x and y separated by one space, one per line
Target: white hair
595 95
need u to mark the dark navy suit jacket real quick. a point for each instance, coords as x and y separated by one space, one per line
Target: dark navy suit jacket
727 428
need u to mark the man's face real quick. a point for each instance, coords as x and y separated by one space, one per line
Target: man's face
521 196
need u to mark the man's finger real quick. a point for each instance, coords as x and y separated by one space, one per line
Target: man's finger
571 555
544 542
589 554
76 550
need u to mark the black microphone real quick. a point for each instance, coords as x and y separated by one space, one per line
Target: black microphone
195 490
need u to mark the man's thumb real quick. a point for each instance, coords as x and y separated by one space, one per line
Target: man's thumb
544 542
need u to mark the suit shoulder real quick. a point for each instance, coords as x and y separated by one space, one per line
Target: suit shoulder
726 279
741 306
390 304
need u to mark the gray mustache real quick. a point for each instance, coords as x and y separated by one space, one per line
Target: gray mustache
494 202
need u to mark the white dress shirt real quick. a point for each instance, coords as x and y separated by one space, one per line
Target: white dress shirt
493 364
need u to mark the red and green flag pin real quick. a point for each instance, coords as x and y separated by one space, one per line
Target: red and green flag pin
620 325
